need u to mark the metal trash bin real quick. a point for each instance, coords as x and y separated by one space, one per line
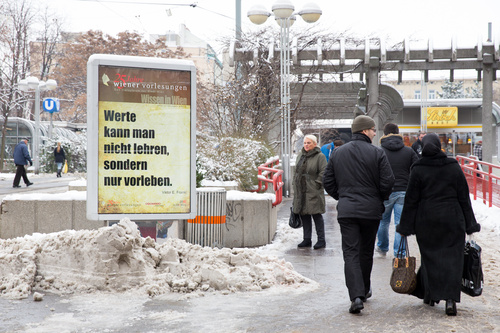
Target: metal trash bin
207 228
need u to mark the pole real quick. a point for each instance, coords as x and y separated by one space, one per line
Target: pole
423 103
373 96
50 126
36 135
487 126
287 106
285 103
238 20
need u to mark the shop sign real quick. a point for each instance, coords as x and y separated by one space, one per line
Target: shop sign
442 116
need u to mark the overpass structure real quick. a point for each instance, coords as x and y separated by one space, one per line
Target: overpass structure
369 60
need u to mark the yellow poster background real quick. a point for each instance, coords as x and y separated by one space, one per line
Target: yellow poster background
127 191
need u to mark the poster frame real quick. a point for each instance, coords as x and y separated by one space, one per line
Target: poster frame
148 63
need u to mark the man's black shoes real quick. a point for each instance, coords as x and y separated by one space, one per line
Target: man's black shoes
28 184
356 306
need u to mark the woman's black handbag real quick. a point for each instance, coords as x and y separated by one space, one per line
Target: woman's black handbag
295 220
403 276
472 276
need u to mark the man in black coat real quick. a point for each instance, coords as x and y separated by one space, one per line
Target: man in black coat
401 159
359 176
417 145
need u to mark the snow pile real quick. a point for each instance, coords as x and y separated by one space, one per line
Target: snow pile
79 182
117 258
486 216
240 195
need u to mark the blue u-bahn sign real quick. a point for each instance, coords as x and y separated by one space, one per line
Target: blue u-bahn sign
51 105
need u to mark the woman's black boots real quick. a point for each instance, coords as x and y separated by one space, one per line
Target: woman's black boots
451 307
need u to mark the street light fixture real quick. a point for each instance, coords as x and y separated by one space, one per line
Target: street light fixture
33 84
283 11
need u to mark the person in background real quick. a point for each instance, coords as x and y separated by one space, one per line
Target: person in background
478 150
327 150
401 159
338 143
417 145
360 178
59 158
21 159
309 197
437 209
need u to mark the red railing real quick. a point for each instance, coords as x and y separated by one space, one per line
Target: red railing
268 173
481 179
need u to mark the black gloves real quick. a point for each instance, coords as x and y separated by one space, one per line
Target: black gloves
31 163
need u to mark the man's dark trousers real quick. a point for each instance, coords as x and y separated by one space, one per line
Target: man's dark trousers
358 242
20 172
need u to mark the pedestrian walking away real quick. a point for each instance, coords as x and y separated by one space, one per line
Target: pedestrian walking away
360 178
309 196
478 150
437 209
401 159
21 159
59 158
417 145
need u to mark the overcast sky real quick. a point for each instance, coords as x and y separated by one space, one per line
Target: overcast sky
439 20
395 20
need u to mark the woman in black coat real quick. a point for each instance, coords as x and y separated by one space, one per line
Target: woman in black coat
60 158
437 209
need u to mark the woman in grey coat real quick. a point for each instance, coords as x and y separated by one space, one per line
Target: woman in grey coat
309 195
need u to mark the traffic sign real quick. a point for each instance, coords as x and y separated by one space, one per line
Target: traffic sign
51 105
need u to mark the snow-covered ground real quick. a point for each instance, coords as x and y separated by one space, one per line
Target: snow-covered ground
112 261
117 258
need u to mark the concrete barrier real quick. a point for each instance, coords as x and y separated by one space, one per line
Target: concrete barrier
251 219
25 214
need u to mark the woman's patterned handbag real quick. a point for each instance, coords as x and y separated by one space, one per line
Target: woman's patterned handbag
403 277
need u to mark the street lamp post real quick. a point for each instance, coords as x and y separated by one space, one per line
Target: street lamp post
33 84
283 11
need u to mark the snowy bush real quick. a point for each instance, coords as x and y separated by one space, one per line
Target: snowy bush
230 159
218 159
74 150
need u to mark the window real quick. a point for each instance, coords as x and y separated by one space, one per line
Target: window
432 94
417 94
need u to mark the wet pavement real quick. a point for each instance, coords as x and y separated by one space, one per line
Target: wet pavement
43 183
324 309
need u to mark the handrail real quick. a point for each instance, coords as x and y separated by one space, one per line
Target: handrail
268 173
487 180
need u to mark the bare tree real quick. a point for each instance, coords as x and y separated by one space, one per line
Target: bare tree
248 104
45 49
71 69
19 17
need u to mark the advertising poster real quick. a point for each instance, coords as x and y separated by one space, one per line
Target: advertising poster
144 141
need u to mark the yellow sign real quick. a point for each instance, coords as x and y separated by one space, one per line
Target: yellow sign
442 116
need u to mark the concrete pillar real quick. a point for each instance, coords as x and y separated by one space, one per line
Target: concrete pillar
373 96
487 115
